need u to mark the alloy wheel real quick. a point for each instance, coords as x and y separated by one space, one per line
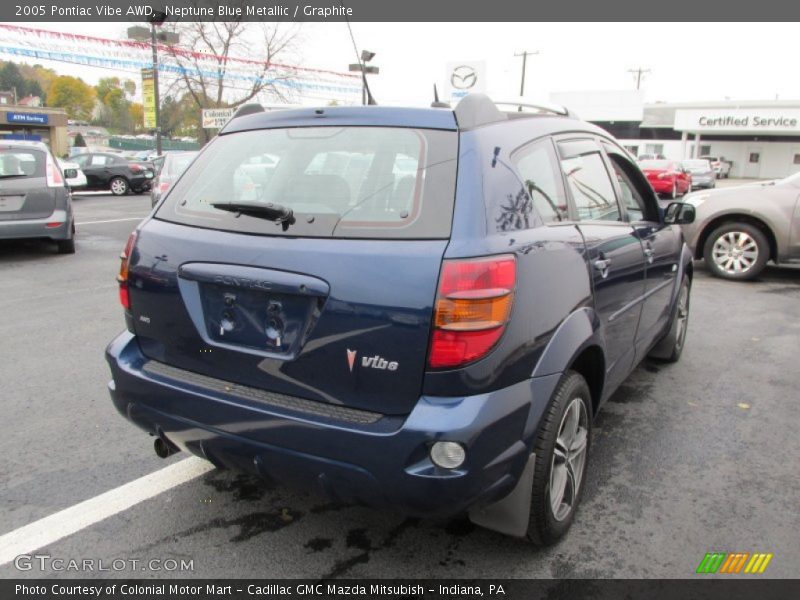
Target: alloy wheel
735 252
682 316
569 460
118 187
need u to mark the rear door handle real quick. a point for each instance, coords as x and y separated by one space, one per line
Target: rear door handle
602 265
649 254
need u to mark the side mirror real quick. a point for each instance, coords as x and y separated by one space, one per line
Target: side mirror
679 213
70 173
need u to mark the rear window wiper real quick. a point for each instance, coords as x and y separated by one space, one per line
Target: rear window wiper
270 211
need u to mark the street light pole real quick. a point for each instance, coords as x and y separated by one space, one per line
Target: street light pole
153 44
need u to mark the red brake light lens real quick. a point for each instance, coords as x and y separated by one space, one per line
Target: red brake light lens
473 305
54 178
122 278
135 168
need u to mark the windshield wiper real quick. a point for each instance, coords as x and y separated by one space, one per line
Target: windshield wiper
272 212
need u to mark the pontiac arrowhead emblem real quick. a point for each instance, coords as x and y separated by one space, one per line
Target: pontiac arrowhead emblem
351 358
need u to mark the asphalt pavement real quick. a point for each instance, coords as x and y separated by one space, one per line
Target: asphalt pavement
689 458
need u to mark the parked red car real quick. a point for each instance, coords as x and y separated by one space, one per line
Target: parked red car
667 177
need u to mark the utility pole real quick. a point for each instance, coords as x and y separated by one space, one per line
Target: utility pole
638 74
524 54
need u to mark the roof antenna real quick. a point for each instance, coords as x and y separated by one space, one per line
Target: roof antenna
370 99
436 103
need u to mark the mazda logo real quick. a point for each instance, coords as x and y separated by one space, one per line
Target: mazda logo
463 77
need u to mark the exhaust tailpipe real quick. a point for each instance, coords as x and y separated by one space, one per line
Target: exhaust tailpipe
163 448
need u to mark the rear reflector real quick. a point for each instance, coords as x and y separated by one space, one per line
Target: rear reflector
122 278
54 224
473 305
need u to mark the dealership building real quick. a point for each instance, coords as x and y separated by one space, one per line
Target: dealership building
760 138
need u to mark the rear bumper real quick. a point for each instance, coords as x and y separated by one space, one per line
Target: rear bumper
384 463
37 228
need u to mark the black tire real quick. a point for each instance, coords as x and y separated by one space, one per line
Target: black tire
119 186
545 527
66 246
670 347
733 230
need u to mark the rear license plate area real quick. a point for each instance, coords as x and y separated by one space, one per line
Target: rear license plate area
258 319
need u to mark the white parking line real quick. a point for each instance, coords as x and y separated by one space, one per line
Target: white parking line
110 221
50 529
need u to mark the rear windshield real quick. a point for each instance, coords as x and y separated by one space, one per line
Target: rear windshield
697 165
359 182
176 164
654 164
16 163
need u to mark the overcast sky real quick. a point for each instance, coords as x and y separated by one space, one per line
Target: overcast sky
695 61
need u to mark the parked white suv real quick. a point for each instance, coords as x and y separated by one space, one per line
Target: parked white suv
721 166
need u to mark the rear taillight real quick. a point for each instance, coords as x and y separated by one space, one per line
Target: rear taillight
135 168
163 187
122 278
54 178
473 304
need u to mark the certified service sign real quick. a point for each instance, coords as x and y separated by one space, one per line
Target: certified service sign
27 118
736 120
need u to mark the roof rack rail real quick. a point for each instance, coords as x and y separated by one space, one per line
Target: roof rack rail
542 107
478 109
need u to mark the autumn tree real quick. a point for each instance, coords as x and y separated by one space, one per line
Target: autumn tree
73 95
114 109
205 74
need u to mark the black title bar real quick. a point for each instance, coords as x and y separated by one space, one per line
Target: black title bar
398 10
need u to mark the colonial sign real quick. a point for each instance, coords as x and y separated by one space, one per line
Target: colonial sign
739 120
215 118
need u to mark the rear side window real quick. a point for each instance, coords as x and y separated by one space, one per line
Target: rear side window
17 163
538 168
363 182
589 181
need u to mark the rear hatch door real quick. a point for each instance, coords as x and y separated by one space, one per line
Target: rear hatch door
333 307
24 193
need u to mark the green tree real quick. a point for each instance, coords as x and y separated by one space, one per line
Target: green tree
73 95
12 79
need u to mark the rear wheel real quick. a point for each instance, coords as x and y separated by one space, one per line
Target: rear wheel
562 452
119 186
671 345
737 251
66 246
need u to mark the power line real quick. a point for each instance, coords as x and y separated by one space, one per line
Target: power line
638 75
524 54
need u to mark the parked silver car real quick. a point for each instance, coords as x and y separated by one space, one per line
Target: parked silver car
738 230
35 201
703 175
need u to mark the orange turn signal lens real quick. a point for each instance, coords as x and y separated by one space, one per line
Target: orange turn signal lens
468 314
